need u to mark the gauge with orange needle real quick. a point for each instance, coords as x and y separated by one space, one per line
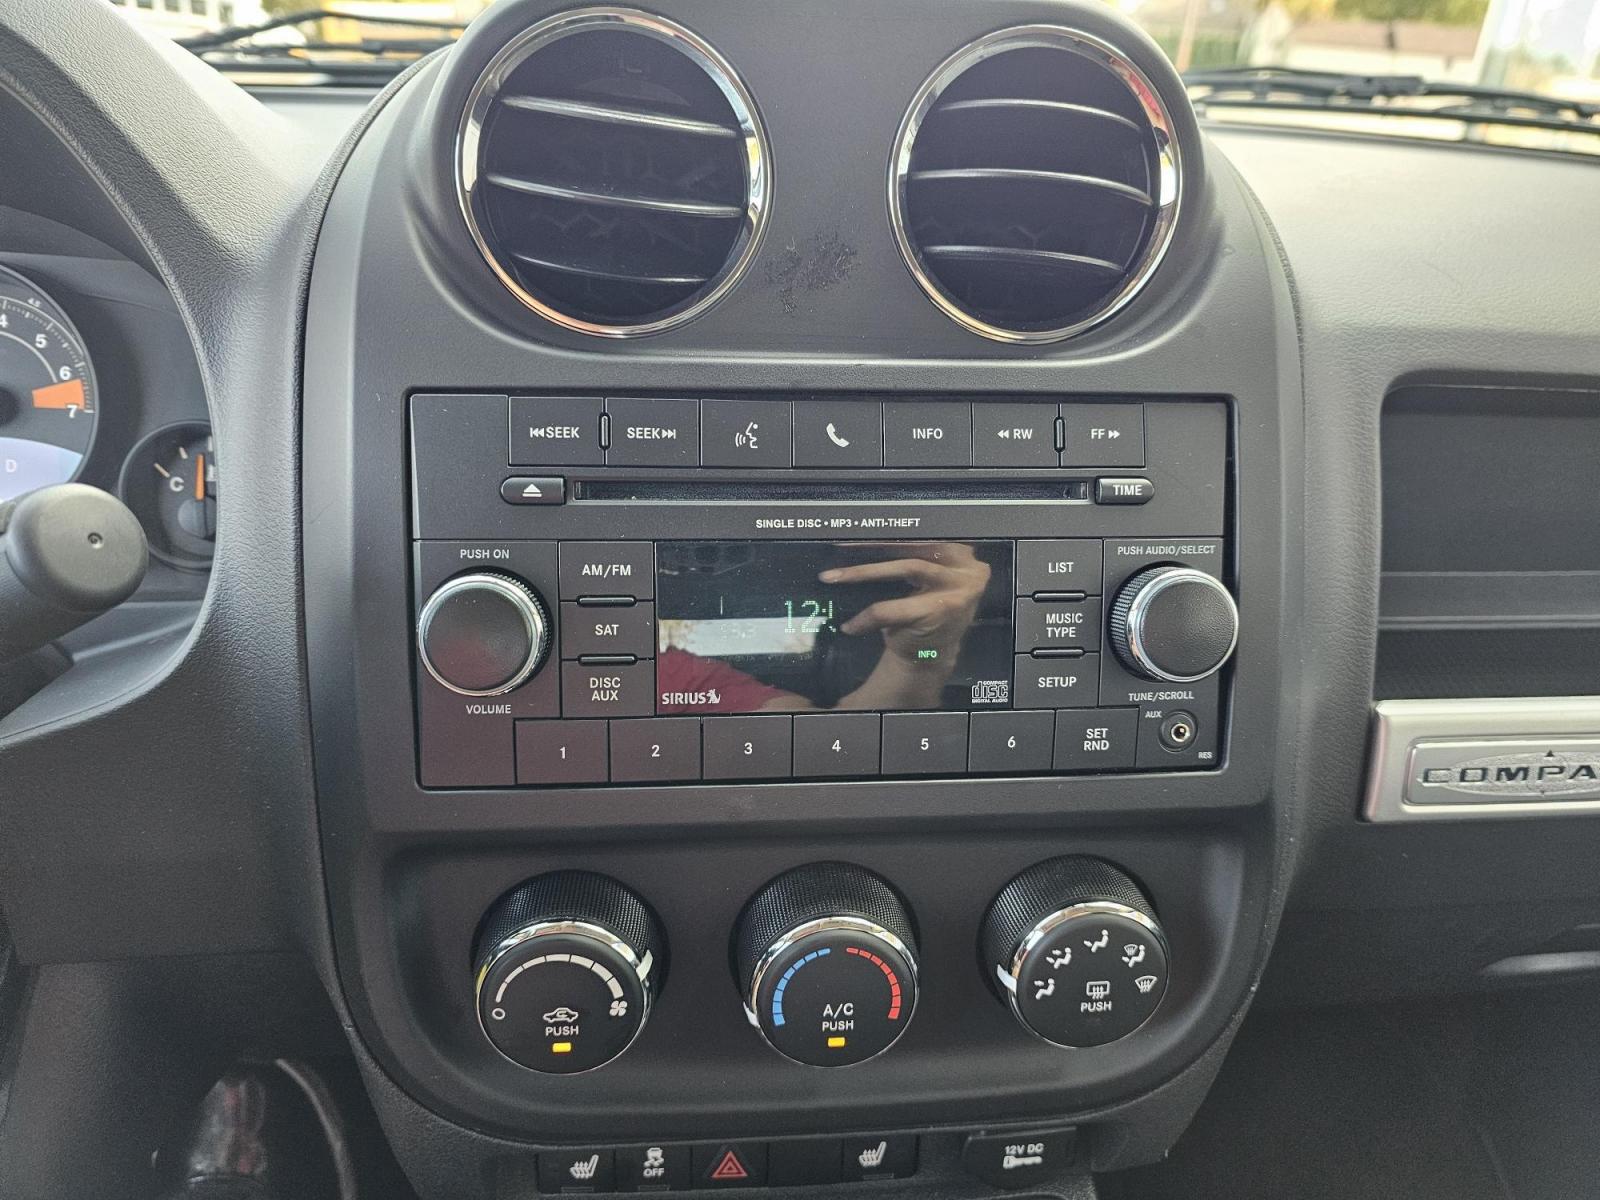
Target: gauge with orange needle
170 482
49 403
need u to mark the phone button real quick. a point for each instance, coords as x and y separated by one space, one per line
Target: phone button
838 433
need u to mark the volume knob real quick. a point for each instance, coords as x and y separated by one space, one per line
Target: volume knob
483 634
1174 623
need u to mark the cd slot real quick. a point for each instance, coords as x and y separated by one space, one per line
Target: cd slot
769 491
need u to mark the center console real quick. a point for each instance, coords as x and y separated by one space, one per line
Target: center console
776 734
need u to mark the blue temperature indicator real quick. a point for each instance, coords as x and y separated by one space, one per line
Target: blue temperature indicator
777 992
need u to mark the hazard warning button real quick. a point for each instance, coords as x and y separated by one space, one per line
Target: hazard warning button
730 1164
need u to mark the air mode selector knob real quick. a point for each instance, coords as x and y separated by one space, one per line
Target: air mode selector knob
826 959
1074 949
483 634
567 967
1173 623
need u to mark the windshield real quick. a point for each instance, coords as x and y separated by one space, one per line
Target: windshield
1530 68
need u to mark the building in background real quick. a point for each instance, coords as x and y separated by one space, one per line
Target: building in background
184 18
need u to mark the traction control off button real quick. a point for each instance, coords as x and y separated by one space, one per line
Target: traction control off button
1018 1160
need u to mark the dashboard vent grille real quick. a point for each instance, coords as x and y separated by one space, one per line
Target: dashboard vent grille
1035 184
613 172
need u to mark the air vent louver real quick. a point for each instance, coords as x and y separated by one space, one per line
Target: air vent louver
613 172
1035 184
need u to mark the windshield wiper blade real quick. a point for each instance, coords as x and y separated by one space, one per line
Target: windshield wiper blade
1393 95
236 34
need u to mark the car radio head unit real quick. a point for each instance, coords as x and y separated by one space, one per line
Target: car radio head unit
623 613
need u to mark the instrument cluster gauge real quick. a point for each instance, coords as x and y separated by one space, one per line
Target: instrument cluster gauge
49 404
170 482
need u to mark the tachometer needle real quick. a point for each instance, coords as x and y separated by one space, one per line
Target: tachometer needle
199 476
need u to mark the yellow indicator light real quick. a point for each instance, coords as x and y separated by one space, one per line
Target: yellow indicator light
560 1047
836 1043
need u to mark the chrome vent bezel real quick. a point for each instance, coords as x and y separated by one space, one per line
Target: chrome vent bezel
471 181
1168 174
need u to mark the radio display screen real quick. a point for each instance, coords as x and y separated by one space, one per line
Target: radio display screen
747 627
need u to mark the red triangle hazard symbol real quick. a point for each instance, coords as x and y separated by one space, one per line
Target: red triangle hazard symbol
730 1168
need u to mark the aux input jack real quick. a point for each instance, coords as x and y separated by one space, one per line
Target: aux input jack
1178 731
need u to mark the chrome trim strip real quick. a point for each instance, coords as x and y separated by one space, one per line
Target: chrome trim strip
555 191
1526 727
835 924
1169 180
1134 622
1030 175
533 618
610 114
1060 107
642 968
757 158
1011 977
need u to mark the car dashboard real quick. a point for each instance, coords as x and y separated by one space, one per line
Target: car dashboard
811 598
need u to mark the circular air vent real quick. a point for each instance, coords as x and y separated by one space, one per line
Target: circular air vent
1035 184
613 171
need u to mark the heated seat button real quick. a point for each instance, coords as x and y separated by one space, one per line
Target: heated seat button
1018 1160
576 1172
836 744
1006 434
838 433
730 1164
614 629
1096 739
653 433
655 750
1103 435
654 1168
1010 743
891 1156
926 433
555 431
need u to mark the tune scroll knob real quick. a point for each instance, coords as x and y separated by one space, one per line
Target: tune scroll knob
826 959
568 965
1075 950
483 634
1174 623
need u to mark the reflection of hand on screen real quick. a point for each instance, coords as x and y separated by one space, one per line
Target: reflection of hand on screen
922 632
947 580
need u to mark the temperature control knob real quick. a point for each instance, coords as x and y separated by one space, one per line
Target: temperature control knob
1074 949
567 966
1174 623
827 961
483 634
